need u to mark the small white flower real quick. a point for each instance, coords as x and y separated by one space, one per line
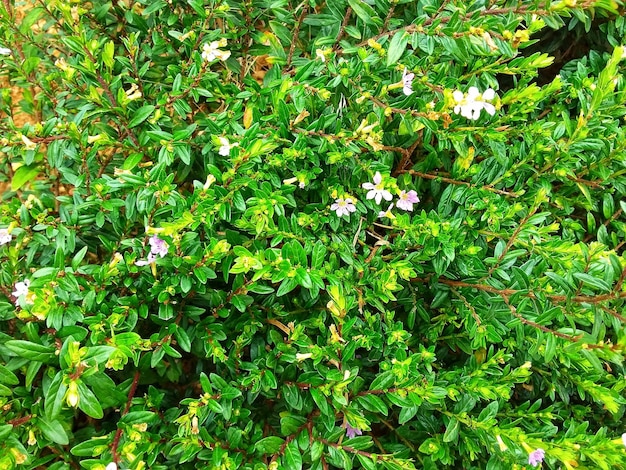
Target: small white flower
343 206
111 466
377 189
225 146
319 53
407 82
5 51
624 438
210 52
5 236
470 104
21 289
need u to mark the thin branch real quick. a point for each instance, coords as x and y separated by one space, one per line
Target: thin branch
118 433
459 183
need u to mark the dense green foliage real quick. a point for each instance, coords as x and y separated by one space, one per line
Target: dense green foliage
200 267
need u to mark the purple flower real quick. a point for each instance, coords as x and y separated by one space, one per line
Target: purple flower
406 200
377 189
352 432
343 206
536 457
158 246
407 82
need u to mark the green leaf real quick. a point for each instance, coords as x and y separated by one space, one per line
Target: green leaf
396 47
107 54
593 281
54 431
141 115
31 351
88 402
269 445
292 458
363 11
7 377
23 175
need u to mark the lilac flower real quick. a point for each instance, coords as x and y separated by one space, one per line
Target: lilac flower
352 432
21 289
536 457
387 213
407 82
406 200
343 206
158 246
5 236
377 189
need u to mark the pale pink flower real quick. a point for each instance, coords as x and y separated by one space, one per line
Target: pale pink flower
377 189
536 457
407 199
343 206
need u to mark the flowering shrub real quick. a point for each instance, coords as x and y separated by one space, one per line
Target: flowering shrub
275 234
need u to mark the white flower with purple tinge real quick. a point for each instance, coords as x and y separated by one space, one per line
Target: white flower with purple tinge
377 189
407 199
343 206
352 432
470 104
21 289
407 82
5 236
536 457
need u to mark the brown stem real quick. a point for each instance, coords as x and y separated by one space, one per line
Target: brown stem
459 183
296 32
118 433
342 29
